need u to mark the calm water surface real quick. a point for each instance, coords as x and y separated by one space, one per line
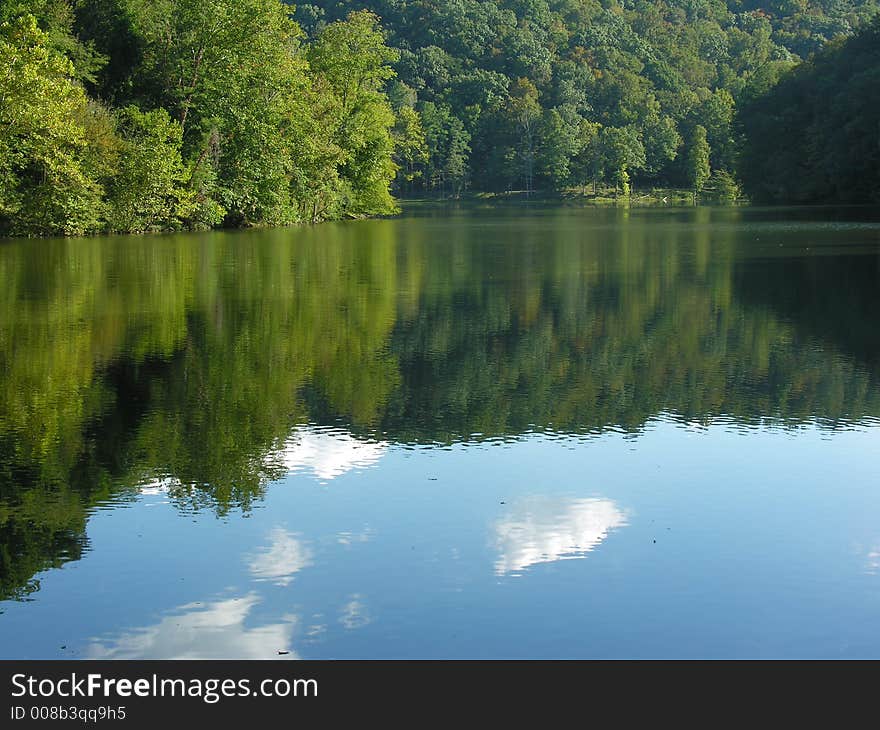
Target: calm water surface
467 432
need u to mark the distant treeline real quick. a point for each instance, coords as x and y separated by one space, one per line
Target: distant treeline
550 94
137 115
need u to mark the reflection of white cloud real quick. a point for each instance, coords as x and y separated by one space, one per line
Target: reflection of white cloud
349 538
545 529
284 556
213 631
874 560
354 613
329 454
158 486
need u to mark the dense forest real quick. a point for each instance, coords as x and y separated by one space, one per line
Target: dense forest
815 136
139 115
551 94
136 115
192 360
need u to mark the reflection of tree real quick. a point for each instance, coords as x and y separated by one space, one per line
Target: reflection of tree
191 358
577 337
30 546
105 386
833 297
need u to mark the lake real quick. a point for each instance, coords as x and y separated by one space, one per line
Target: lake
469 432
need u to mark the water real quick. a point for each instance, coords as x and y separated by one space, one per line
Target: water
467 432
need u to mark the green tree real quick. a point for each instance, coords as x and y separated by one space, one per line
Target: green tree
230 74
622 153
722 186
56 19
351 58
148 189
525 112
45 186
662 142
410 146
813 136
587 165
561 140
448 149
698 170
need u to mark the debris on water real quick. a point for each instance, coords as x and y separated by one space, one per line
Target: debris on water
503 502
283 652
655 542
432 479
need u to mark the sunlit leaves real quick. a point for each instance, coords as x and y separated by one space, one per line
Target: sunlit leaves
219 118
44 185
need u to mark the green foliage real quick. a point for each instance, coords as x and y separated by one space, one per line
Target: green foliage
45 187
448 145
222 115
698 169
621 152
56 19
352 56
521 76
716 117
131 115
524 113
814 137
722 186
563 136
411 149
352 63
662 141
148 189
231 75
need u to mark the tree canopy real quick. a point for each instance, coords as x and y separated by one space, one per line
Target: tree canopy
554 94
127 115
143 115
814 137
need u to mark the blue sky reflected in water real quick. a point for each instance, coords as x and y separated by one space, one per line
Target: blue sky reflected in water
606 546
513 431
